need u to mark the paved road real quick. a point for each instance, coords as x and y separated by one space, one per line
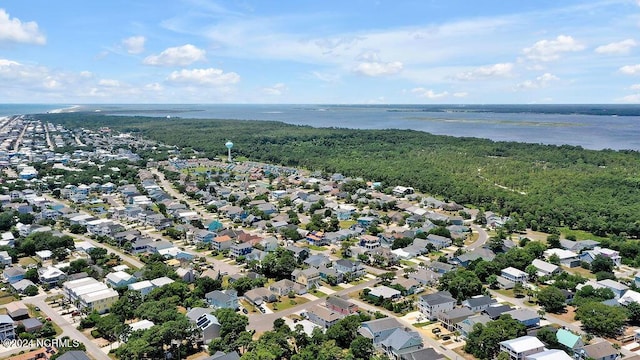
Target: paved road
168 187
128 258
67 328
264 322
482 238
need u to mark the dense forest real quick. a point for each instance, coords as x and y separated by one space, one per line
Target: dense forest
544 186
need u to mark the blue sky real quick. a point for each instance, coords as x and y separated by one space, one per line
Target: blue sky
288 51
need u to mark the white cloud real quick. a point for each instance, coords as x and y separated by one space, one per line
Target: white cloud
210 76
154 87
109 83
275 90
14 30
630 99
630 69
378 68
548 50
461 94
496 70
539 82
428 93
634 87
620 47
134 44
326 77
176 56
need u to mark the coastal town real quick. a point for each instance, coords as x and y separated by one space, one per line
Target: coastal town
137 249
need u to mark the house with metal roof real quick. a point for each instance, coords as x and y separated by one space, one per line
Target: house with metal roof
569 339
521 347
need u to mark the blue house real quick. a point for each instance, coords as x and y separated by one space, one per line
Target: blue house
215 226
13 274
365 221
528 318
238 250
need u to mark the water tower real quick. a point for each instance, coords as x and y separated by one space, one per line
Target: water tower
229 145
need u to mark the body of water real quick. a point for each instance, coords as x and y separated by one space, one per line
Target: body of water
590 126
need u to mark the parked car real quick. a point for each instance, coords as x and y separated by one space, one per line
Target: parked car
436 330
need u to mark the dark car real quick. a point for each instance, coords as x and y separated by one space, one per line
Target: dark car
436 330
245 311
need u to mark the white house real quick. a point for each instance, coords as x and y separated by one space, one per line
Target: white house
515 275
521 347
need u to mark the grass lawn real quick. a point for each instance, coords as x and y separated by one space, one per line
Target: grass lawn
6 298
220 256
317 293
422 324
317 248
579 234
345 224
335 287
287 303
580 271
408 263
26 261
359 281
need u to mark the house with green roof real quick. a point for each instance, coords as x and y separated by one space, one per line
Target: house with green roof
569 339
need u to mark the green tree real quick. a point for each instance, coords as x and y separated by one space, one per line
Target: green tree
548 336
601 320
588 294
361 348
553 241
461 284
633 309
552 299
484 340
344 331
31 290
602 264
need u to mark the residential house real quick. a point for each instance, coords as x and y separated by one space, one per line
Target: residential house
119 278
618 288
599 351
440 267
300 254
379 329
528 318
238 250
219 355
206 322
316 238
450 318
400 342
203 236
322 316
186 275
260 295
578 246
425 277
17 310
515 275
21 285
590 255
433 304
286 286
629 297
221 242
340 305
465 327
5 258
410 285
544 268
309 278
567 258
13 274
494 311
225 299
569 339
521 347
7 328
549 355
478 303
50 275
349 269
422 354
385 292
32 325
438 241
317 260
369 242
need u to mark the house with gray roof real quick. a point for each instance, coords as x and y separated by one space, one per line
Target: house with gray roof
433 304
451 318
422 354
478 303
379 329
400 342
225 299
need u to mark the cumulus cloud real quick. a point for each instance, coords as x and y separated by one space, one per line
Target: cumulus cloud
134 44
548 50
630 69
378 68
461 94
428 93
275 90
620 47
176 56
631 99
371 65
210 77
14 30
539 82
496 70
109 83
634 87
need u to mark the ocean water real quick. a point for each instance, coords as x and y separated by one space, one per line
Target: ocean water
590 126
